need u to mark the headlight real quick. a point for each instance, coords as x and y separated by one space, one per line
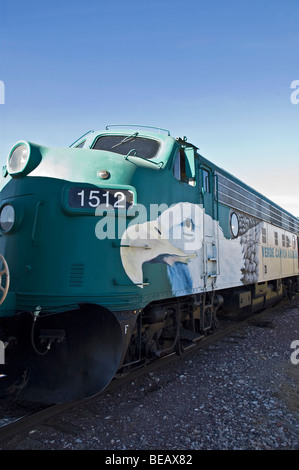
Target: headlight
23 158
7 218
18 158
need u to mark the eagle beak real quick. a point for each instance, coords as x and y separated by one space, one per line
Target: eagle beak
142 243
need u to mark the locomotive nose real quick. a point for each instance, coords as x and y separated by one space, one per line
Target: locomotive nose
79 366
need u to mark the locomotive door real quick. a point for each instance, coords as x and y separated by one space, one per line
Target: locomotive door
206 184
210 228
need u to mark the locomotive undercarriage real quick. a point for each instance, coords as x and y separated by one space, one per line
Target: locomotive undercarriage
171 326
176 324
48 358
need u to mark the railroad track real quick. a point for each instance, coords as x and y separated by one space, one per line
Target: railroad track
23 423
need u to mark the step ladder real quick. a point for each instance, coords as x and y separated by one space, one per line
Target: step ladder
211 262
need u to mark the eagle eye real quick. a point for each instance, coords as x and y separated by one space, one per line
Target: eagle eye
188 225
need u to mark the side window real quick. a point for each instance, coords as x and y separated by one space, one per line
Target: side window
206 181
283 239
264 235
79 146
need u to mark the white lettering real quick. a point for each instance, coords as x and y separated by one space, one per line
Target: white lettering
2 92
294 358
105 228
295 94
139 213
179 459
116 460
2 353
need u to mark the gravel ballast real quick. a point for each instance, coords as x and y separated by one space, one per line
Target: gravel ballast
241 393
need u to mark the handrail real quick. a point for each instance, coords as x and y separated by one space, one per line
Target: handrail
81 137
137 125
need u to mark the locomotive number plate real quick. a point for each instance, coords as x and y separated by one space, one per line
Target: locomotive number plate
89 198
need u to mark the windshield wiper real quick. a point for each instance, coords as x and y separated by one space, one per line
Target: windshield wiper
130 154
126 139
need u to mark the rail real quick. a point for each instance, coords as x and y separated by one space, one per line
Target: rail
24 423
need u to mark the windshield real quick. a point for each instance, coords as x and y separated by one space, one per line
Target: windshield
146 148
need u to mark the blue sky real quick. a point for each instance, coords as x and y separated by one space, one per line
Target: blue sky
219 72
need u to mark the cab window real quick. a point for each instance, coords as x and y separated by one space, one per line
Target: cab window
123 144
180 168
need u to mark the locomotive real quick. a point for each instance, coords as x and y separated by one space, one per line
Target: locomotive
123 248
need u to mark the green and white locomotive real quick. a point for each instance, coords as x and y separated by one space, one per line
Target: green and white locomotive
121 249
